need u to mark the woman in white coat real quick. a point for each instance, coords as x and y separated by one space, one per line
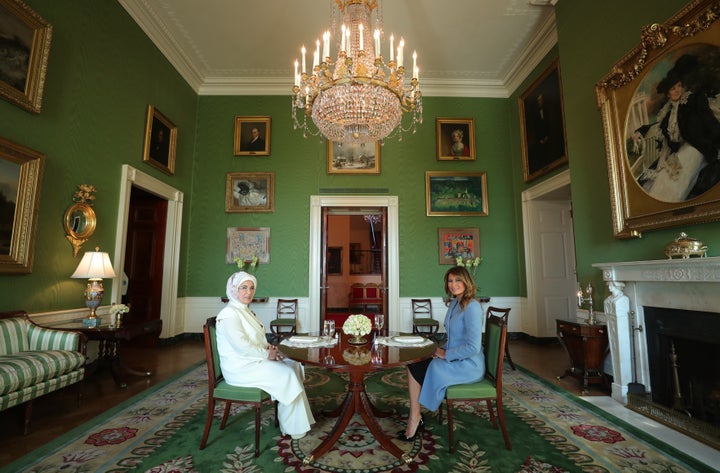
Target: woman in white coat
246 358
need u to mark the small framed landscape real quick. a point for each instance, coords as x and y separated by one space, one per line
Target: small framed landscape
160 141
353 158
250 192
252 136
451 193
458 242
455 139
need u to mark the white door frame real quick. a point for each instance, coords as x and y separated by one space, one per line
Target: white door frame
317 202
168 305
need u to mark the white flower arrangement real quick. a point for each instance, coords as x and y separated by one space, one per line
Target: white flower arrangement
116 309
358 325
251 265
357 357
471 264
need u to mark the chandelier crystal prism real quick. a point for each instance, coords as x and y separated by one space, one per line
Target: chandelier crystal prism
358 98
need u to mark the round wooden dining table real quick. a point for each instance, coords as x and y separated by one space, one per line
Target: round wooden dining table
357 361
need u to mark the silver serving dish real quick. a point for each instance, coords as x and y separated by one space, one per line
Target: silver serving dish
685 247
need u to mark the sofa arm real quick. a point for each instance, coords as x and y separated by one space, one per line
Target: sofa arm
43 338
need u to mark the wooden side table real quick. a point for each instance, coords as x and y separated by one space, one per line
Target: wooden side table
587 346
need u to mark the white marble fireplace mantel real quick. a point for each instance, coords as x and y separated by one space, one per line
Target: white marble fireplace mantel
683 283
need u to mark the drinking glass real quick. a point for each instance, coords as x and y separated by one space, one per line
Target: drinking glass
329 328
379 322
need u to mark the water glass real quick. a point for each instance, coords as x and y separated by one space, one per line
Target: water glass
329 328
379 322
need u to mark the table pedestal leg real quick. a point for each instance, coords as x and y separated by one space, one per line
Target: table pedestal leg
357 401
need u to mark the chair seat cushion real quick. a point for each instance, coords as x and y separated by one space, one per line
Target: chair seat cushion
282 322
425 322
239 393
28 368
481 389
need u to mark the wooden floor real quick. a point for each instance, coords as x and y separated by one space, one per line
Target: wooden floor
58 412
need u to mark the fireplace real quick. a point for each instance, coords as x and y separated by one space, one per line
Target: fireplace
665 339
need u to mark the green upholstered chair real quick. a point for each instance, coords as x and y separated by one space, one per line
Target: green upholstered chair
285 324
503 314
220 390
423 321
490 388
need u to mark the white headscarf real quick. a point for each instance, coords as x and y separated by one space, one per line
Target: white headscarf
234 282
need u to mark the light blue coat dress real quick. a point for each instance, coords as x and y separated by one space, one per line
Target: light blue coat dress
464 359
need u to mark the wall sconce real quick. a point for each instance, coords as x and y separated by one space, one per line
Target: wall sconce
95 265
586 297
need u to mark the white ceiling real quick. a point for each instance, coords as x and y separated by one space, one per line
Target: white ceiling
466 48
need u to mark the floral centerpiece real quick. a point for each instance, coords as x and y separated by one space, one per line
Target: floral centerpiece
357 356
356 326
116 311
248 266
470 264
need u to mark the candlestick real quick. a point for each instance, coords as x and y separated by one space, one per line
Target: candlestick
377 43
297 76
342 38
414 62
400 52
303 50
326 45
392 49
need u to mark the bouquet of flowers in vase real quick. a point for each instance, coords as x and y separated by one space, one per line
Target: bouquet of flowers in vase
358 325
471 264
116 312
357 357
248 266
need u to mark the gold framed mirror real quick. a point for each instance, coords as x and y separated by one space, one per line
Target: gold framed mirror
80 219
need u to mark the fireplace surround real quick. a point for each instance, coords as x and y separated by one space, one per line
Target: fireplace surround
671 305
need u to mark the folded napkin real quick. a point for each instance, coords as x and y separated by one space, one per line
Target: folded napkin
404 341
305 341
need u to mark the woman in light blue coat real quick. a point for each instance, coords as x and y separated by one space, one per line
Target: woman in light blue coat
459 361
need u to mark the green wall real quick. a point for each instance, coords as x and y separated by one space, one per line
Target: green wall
102 73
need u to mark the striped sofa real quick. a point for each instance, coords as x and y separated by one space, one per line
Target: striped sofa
35 360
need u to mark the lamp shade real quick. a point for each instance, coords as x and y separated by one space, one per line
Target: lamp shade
94 265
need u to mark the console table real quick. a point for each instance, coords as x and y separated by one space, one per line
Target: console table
587 346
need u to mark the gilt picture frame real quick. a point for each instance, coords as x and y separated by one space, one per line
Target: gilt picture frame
451 193
458 242
247 243
160 141
455 139
542 123
24 56
252 136
353 158
21 171
250 192
653 183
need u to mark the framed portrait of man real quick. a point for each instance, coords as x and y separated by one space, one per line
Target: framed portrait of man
252 136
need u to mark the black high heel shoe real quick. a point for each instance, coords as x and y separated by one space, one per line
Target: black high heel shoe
421 425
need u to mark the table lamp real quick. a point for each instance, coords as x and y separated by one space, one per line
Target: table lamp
95 265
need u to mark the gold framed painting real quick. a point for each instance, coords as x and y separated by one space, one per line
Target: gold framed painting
661 135
160 141
455 139
542 123
21 171
252 136
24 55
458 242
353 158
248 243
451 193
247 192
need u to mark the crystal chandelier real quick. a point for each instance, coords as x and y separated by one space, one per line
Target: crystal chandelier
358 98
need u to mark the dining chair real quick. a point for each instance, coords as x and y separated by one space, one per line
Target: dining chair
490 388
220 390
503 313
423 321
285 324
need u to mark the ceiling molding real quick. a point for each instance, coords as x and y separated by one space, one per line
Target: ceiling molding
541 45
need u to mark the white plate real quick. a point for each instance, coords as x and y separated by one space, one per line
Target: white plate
304 339
408 339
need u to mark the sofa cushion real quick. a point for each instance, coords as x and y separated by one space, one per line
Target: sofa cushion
20 370
13 335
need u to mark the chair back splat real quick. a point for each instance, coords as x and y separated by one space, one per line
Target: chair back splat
503 313
423 321
219 390
490 388
285 324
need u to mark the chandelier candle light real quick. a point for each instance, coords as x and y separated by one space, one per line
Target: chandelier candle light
358 98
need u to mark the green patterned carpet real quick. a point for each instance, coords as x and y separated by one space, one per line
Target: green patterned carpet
551 431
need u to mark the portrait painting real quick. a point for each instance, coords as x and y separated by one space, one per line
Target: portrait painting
450 193
353 158
663 157
252 136
455 139
250 192
24 50
458 242
542 124
248 243
160 141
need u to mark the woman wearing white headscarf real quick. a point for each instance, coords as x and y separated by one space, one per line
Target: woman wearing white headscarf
246 358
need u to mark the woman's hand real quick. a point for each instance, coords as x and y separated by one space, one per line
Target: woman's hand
439 353
274 354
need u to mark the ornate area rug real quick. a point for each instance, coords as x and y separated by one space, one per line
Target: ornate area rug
551 431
